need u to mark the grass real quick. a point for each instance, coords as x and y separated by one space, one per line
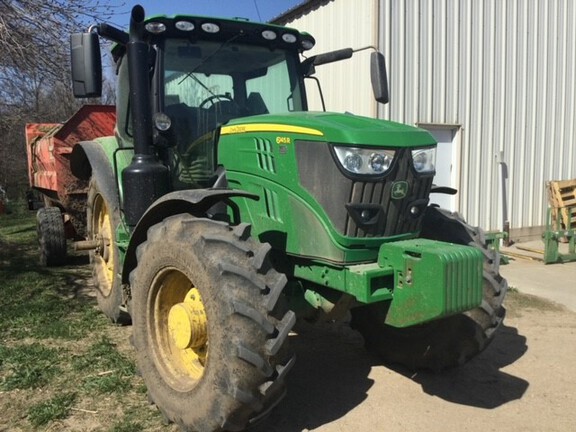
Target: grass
111 372
63 366
28 366
39 302
127 427
55 408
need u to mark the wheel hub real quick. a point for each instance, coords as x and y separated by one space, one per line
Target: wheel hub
104 234
103 247
187 322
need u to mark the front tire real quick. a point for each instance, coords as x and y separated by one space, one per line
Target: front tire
450 341
209 336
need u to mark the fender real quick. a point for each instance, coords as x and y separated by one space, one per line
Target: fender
89 160
196 202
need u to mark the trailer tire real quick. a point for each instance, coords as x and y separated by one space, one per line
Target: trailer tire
209 332
450 341
51 236
103 217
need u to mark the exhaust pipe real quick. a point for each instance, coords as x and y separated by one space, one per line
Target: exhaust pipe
145 179
137 53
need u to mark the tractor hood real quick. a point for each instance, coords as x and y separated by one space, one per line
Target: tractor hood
334 128
332 214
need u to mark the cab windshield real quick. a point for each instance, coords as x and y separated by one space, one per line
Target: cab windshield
208 83
218 81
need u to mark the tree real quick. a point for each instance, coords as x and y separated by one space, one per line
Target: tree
35 72
34 33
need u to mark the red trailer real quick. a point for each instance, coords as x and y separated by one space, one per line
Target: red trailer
48 146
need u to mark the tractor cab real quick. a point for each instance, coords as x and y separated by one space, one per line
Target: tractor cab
202 73
204 84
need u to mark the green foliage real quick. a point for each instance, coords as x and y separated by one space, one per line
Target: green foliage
110 371
102 356
55 408
28 366
113 383
18 228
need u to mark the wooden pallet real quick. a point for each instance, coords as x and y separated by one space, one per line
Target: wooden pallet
562 201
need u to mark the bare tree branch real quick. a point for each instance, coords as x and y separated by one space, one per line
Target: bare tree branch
34 69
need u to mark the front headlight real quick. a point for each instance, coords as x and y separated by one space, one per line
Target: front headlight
424 160
364 161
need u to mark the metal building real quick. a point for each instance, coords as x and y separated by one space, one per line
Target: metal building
493 80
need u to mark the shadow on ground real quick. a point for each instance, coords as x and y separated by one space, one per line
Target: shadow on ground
75 275
331 378
480 382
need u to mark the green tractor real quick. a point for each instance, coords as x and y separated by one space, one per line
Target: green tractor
222 209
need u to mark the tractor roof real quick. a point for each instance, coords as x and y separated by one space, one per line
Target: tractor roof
200 28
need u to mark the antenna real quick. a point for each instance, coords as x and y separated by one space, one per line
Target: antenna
257 10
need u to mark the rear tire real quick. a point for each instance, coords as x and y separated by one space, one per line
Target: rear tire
51 236
450 341
103 217
208 331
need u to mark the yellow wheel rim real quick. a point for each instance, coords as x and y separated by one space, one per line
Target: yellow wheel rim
178 329
104 234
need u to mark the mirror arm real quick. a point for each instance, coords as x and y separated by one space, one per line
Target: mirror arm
110 33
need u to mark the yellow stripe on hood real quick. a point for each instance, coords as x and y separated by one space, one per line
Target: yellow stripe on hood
268 127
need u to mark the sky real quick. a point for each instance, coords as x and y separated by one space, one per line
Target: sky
254 10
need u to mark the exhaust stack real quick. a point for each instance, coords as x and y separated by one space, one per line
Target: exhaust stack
145 179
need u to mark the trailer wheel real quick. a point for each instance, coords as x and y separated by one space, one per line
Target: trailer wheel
208 330
450 341
103 218
51 236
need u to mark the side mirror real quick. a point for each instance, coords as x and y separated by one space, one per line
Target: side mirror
86 65
378 77
329 57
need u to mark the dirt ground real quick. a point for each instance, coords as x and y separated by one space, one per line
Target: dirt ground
525 381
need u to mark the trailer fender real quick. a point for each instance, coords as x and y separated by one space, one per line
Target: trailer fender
196 202
88 160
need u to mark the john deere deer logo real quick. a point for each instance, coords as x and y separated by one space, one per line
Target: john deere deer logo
399 190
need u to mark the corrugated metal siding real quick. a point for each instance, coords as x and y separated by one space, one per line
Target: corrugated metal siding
502 70
346 84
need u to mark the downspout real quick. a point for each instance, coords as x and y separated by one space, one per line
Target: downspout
504 195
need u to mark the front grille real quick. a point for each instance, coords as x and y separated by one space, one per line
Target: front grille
364 208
